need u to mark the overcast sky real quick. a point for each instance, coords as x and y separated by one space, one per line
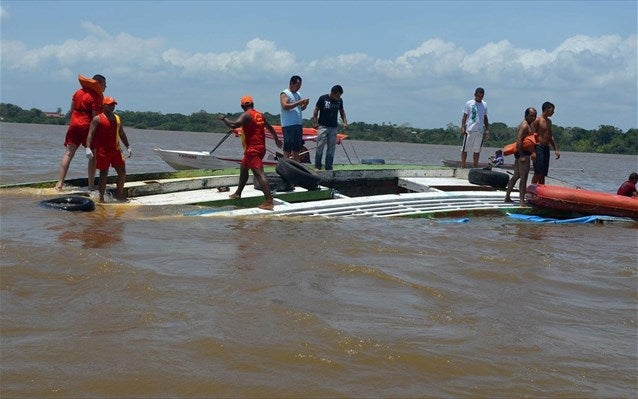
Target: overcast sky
413 62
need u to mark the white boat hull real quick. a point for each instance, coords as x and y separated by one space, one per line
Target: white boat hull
183 160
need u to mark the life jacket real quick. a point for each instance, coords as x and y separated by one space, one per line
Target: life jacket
90 84
529 144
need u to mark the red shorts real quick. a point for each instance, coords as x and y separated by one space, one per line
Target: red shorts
104 159
76 135
253 157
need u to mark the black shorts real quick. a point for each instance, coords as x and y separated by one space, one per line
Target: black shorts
293 135
541 164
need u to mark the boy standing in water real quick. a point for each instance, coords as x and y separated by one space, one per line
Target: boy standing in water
543 127
103 143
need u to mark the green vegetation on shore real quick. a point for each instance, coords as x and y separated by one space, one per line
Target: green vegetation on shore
605 139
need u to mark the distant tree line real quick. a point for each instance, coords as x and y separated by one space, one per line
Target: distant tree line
605 139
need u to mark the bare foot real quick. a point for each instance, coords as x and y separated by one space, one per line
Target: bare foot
234 196
508 200
267 206
58 188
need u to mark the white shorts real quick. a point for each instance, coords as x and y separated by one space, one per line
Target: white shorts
472 141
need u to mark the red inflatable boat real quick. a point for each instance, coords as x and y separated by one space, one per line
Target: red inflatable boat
582 201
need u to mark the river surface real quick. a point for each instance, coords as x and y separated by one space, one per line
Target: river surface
144 302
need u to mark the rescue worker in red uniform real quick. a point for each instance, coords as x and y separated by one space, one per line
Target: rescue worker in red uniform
253 125
103 144
86 104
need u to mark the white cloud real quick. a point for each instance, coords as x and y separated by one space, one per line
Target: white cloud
99 48
435 69
258 56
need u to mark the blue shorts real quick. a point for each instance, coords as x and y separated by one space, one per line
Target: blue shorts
293 136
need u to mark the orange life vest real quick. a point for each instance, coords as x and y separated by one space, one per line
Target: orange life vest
529 144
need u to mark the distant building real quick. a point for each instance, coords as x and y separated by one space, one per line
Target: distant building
53 115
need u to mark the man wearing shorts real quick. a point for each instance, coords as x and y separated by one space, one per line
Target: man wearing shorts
542 126
103 144
86 104
291 121
253 126
474 127
521 165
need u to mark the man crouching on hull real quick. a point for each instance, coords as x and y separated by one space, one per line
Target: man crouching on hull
253 125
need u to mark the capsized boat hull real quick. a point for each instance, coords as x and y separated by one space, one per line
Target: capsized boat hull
580 201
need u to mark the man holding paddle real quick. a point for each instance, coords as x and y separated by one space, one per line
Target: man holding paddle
253 125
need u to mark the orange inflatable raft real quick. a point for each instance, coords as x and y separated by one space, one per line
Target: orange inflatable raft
90 84
582 201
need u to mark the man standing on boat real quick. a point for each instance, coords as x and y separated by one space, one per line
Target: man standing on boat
522 162
474 127
327 108
253 125
542 126
291 121
86 104
103 145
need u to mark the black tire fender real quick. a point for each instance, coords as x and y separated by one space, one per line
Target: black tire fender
297 173
70 203
486 177
373 161
275 182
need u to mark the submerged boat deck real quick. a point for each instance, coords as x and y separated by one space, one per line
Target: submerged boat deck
348 191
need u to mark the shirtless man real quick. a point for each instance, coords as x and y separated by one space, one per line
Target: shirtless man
543 127
521 165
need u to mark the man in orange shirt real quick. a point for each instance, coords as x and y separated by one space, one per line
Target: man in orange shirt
103 145
86 104
253 125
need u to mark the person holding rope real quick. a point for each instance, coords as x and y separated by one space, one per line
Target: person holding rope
254 127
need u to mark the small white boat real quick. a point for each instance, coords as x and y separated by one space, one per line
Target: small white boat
186 159
183 160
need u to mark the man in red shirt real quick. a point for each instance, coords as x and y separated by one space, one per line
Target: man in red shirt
253 123
85 105
628 188
103 145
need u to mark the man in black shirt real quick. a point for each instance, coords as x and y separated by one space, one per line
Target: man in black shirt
324 119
